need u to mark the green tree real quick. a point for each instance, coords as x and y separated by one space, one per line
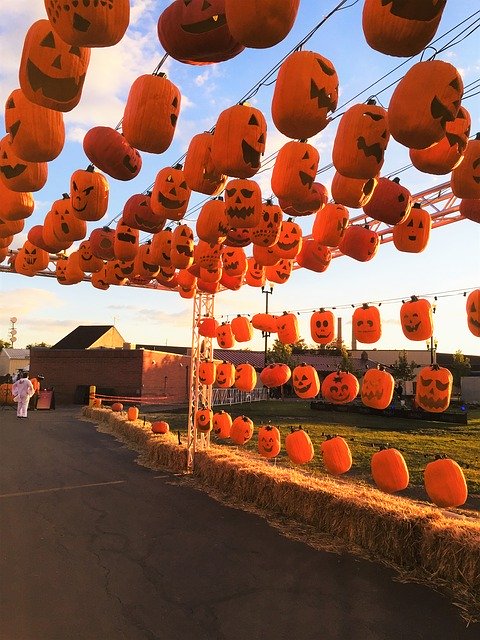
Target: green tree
280 352
402 369
347 363
461 367
37 344
4 344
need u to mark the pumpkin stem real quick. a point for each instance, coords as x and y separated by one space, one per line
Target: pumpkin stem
414 299
397 180
178 166
371 101
365 305
90 168
66 196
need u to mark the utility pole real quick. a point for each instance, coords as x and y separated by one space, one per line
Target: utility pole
268 292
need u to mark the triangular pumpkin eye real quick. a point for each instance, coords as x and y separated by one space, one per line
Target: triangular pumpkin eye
175 102
473 308
420 226
455 84
10 104
253 120
48 41
75 51
306 156
325 68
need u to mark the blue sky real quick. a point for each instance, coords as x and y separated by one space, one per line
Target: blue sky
47 310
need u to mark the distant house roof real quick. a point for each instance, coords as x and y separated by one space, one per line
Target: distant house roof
83 337
165 349
17 354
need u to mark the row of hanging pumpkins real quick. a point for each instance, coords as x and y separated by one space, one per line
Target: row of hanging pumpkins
444 479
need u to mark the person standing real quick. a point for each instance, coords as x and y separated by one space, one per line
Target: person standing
22 391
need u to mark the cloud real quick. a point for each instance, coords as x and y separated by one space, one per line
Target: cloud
23 302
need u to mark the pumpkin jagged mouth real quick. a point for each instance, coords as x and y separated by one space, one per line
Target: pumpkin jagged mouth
476 323
13 172
267 448
126 237
323 98
233 266
412 328
283 276
133 168
442 112
150 267
374 149
186 251
306 179
250 155
214 22
414 10
241 212
58 89
441 403
170 204
371 395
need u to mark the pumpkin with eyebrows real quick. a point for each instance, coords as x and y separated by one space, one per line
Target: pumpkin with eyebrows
294 171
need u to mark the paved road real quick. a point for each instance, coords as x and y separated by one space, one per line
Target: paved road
94 547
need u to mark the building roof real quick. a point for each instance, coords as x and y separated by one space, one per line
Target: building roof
83 337
17 354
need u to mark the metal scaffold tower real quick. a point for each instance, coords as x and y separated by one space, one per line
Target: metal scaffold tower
200 395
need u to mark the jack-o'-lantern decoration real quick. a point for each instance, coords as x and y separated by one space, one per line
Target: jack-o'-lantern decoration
186 280
275 375
306 92
211 275
473 312
87 261
267 230
196 32
114 274
207 372
322 326
73 272
366 324
234 283
336 455
212 225
166 276
10 227
17 174
287 328
289 243
298 446
280 272
15 205
316 198
255 276
225 376
416 317
242 329
352 192
377 388
181 255
206 255
466 177
110 152
434 388
239 141
225 337
61 270
266 256
37 134
207 327
89 24
245 377
390 203
35 236
314 256
151 113
89 192
137 212
389 470
360 243
445 155
208 287
294 171
30 259
99 279
265 322
52 72
126 241
200 172
401 27
445 482
243 203
340 387
234 261
144 265
330 224
170 193
360 142
222 424
204 420
162 247
61 225
305 381
101 243
413 234
241 430
435 88
261 25
238 237
269 442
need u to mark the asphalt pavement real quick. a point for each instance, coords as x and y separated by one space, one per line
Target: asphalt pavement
96 547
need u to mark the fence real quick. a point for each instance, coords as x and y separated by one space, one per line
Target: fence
235 396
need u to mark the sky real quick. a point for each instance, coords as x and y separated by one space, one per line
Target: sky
47 311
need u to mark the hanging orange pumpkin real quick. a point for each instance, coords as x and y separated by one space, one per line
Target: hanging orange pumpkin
389 470
89 192
314 256
62 225
445 483
114 274
294 171
265 322
241 430
470 209
267 230
234 261
145 266
390 203
52 72
322 326
280 272
352 192
126 241
225 376
170 193
306 91
260 25
245 377
434 388
222 424
181 255
204 420
151 113
287 328
417 319
212 224
255 276
435 88
360 142
330 224
88 262
207 372
110 152
340 387
289 243
238 237
366 324
473 312
269 443
336 455
413 234
15 205
101 243
298 446
162 247
275 375
20 175
243 203
207 327
89 24
360 243
225 337
242 329
316 198
30 259
198 168
37 134
138 213
73 272
466 177
266 256
377 388
305 381
99 279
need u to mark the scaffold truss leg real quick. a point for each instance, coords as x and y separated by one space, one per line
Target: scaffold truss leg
200 395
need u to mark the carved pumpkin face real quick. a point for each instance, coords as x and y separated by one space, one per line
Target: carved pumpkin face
417 319
434 388
99 279
413 234
377 389
171 194
466 177
212 224
243 203
207 256
289 242
89 192
145 266
360 243
280 272
183 245
305 381
30 259
245 377
269 443
199 170
62 225
101 243
267 230
238 237
113 273
17 174
138 213
266 256
314 256
234 261
225 337
126 241
204 420
86 260
52 72
330 224
294 171
322 327
166 275
225 375
162 247
255 276
287 328
196 32
61 270
110 152
207 372
473 312
340 387
222 423
366 324
242 430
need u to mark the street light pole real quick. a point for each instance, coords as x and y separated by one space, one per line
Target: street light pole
432 346
268 292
